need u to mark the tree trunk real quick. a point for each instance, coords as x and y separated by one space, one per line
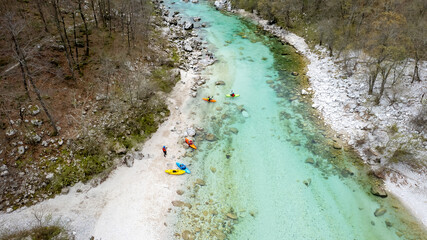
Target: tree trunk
372 79
21 65
318 3
36 90
303 6
68 40
128 21
24 67
75 41
64 43
415 75
288 19
109 16
86 29
101 6
92 3
39 8
385 72
24 79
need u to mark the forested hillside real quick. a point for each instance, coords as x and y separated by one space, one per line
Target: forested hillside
387 31
80 84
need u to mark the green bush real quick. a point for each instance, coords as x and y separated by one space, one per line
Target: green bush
37 233
93 165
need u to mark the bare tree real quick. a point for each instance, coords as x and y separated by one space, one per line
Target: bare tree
75 40
92 4
65 43
86 28
14 27
39 4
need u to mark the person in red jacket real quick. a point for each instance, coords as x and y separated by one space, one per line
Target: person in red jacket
164 151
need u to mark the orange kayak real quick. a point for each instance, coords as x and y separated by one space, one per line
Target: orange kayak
192 145
212 100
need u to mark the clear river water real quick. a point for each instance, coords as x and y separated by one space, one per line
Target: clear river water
272 171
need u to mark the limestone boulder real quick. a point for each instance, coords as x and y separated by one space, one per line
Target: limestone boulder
188 25
378 190
191 132
129 160
119 148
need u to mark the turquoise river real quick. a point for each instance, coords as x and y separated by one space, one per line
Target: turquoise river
272 171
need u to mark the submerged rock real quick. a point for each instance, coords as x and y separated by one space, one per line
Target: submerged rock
210 137
309 160
232 216
345 172
380 211
179 192
219 83
307 182
187 235
245 114
336 145
218 234
234 130
200 182
178 203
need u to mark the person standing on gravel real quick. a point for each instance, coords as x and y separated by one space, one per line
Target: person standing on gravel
164 150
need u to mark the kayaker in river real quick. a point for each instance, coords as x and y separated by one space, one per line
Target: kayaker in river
164 150
232 93
190 142
210 98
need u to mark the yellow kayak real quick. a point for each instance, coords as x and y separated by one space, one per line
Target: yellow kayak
175 171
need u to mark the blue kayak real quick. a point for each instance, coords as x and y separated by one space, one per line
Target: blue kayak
183 167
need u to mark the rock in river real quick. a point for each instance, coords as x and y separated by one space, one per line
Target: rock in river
178 203
200 182
232 216
234 130
210 137
380 211
188 25
191 132
187 235
378 190
309 160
